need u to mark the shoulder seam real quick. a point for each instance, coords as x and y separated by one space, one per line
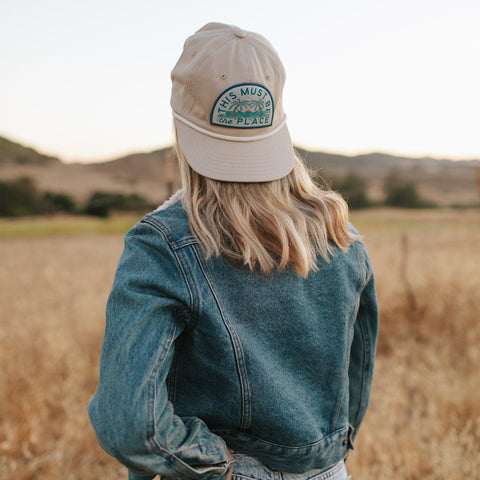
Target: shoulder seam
165 232
162 228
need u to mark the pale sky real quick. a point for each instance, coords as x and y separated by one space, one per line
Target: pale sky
90 80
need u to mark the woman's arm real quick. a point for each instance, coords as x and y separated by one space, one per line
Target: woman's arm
147 309
362 354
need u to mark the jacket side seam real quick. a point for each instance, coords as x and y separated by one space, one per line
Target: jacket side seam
366 277
237 347
366 365
360 286
366 353
343 389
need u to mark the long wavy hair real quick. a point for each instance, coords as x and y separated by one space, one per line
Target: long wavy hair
266 226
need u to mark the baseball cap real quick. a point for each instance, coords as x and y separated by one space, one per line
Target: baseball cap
227 105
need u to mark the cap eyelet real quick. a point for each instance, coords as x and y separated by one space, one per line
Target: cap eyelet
239 32
268 76
223 76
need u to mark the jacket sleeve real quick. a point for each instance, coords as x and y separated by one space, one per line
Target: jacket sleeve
147 309
362 354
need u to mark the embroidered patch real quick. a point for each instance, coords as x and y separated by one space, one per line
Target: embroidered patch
248 105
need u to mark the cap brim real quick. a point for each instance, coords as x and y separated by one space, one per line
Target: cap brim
262 160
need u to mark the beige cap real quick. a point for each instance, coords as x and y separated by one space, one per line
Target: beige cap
227 104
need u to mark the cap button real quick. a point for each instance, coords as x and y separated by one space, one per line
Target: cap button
239 32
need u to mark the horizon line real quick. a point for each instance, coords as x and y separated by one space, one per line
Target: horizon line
309 149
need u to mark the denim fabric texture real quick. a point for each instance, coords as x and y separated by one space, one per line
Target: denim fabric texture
199 355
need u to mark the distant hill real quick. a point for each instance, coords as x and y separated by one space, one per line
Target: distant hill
380 162
142 173
442 181
134 167
14 153
154 175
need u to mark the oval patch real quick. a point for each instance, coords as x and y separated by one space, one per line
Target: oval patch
247 105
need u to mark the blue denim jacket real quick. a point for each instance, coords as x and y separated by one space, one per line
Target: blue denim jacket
199 355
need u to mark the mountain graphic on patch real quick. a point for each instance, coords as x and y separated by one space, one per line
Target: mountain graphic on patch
247 105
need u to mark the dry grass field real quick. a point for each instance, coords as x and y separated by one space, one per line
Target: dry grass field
424 419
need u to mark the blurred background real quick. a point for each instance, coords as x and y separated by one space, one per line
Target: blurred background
382 102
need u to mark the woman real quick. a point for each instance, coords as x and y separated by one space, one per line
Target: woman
242 322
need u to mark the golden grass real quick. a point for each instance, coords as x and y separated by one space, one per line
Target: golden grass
424 419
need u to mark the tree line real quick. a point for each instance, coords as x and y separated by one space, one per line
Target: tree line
398 191
21 197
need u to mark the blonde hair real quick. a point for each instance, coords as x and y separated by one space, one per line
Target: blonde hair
266 225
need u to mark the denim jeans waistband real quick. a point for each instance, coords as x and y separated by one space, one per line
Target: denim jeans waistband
249 468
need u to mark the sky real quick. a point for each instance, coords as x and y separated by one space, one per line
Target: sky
90 80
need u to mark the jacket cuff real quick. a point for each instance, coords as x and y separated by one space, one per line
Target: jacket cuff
212 472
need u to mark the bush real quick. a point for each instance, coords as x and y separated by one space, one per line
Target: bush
353 188
101 204
57 203
21 197
18 197
400 192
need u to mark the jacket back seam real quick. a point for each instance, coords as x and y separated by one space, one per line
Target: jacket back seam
236 345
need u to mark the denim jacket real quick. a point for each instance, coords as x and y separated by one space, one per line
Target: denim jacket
199 355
